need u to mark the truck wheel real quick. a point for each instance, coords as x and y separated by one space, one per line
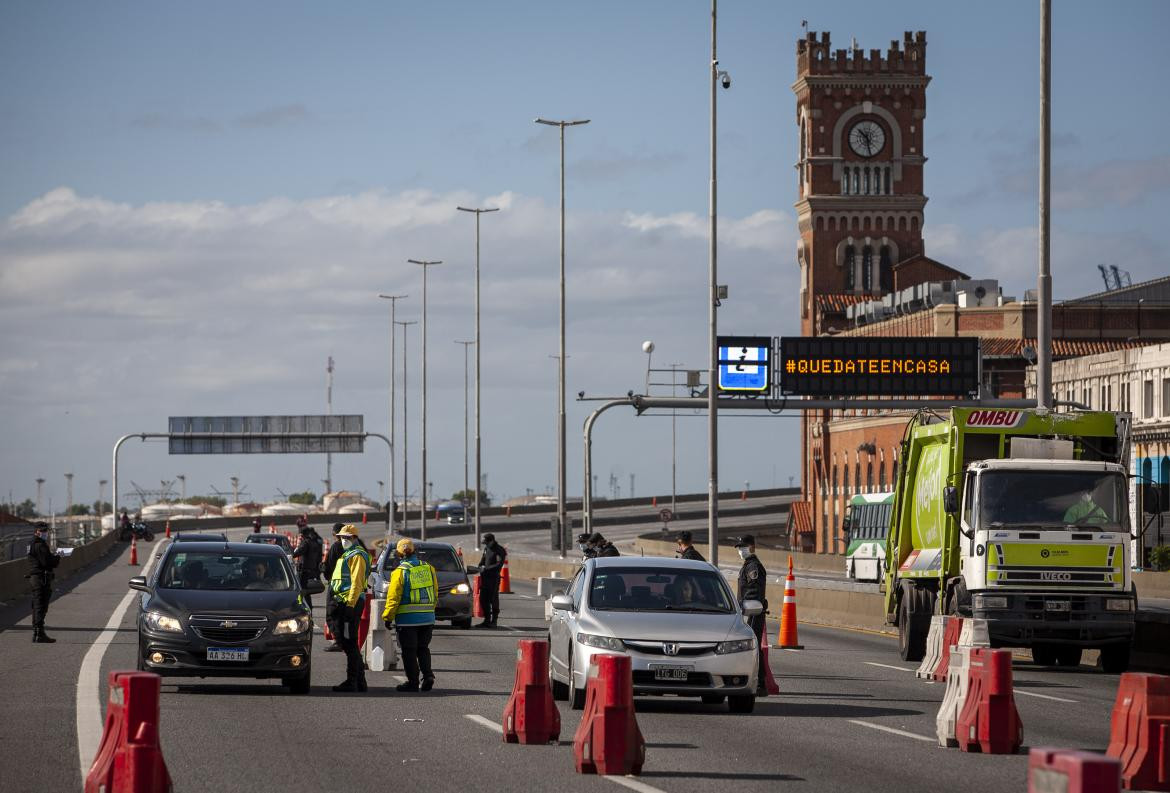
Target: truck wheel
1068 656
959 604
1115 658
1044 654
914 622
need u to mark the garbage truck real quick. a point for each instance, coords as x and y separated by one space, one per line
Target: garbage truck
1018 517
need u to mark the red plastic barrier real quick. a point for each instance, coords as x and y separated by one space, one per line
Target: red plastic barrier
476 609
1071 771
364 622
1139 734
608 740
531 716
950 638
129 759
769 681
988 721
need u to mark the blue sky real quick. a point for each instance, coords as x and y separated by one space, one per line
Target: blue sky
201 201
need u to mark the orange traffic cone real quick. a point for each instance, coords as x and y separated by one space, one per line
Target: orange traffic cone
769 681
168 528
788 640
134 551
459 552
505 580
272 528
509 510
363 519
743 495
654 501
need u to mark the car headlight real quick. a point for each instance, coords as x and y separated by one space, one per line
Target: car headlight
161 622
461 589
604 642
990 602
293 625
1119 604
737 646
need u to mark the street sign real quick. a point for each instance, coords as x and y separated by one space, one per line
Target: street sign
665 515
265 434
745 363
843 366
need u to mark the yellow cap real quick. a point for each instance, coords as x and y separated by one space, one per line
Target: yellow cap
348 530
405 547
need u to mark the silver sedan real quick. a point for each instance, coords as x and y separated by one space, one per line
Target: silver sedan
677 620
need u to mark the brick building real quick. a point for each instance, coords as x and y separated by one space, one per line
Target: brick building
863 269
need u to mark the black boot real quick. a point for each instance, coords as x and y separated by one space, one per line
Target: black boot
40 637
348 685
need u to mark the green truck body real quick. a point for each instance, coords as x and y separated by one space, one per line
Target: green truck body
1018 517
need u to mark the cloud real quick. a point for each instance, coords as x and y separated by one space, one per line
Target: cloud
175 122
281 115
766 229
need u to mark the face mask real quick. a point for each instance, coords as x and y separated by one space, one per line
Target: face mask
744 553
346 543
583 547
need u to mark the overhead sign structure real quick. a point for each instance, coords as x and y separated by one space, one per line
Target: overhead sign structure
265 434
745 363
843 366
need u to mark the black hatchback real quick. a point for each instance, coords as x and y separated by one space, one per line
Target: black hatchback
214 609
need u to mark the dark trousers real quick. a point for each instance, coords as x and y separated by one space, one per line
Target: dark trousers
415 643
489 597
332 610
756 623
306 576
347 636
42 591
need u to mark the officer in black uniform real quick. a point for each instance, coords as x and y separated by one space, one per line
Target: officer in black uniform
491 565
41 563
602 546
753 583
587 550
332 615
686 550
307 557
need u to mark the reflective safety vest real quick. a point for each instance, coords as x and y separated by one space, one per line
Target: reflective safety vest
354 563
412 594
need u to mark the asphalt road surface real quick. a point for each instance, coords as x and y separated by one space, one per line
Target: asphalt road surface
850 716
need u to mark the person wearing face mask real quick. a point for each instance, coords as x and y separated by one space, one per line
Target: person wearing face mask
753 583
686 550
348 590
331 558
601 546
587 551
41 563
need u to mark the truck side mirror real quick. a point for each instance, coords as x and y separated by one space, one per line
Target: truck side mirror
950 500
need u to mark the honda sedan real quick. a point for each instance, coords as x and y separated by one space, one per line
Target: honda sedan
677 620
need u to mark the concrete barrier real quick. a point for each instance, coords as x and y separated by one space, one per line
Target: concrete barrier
14 586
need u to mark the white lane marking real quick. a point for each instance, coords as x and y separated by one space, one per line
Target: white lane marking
888 666
893 731
634 784
483 721
1043 696
89 698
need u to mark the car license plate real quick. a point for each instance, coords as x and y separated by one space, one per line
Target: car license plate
227 654
670 672
1057 605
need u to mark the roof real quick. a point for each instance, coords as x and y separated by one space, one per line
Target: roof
838 302
1153 291
251 548
647 561
1061 348
922 258
800 518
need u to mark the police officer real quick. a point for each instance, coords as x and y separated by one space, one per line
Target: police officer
602 546
308 558
347 588
41 563
256 526
753 583
410 605
587 550
490 565
331 558
686 550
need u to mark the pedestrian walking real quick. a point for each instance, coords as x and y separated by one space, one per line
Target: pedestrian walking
335 551
307 557
410 606
41 564
686 550
348 589
490 565
753 583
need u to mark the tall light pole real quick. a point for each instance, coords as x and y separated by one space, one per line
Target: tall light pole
101 493
405 432
478 475
393 451
674 439
648 348
1044 291
423 507
466 344
561 512
182 486
68 495
40 483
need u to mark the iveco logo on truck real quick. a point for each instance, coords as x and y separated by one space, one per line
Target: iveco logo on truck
995 418
1052 575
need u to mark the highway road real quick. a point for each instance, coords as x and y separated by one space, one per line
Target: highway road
850 716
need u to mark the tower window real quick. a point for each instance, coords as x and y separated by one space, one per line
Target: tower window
867 268
886 171
885 270
865 176
850 262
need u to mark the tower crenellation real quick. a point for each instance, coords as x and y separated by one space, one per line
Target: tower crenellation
815 56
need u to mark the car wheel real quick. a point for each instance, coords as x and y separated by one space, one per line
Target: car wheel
299 685
560 691
141 664
576 695
741 703
461 624
713 699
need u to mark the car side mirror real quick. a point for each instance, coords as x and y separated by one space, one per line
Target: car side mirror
751 608
473 569
950 500
562 603
139 582
313 587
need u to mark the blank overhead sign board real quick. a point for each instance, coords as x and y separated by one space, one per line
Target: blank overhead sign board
266 434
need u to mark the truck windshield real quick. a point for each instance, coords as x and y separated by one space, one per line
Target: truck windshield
1051 498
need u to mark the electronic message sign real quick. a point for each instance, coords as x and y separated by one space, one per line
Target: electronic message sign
265 434
744 363
845 366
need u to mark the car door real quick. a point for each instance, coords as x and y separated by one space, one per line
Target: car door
560 630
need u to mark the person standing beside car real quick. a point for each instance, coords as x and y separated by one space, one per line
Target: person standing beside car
686 550
335 551
41 564
753 583
490 565
308 558
410 605
348 590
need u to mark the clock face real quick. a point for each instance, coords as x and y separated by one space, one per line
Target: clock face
867 138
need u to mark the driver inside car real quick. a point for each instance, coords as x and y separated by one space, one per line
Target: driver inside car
258 575
1085 510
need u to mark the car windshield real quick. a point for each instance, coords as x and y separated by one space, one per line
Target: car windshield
659 589
1051 498
442 559
217 570
268 539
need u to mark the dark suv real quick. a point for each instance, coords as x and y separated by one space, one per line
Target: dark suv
214 609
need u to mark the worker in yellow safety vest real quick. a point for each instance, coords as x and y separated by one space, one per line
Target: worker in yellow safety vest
410 605
347 588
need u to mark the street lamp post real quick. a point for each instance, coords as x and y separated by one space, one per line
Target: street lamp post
405 431
423 507
478 459
674 439
393 398
561 513
466 344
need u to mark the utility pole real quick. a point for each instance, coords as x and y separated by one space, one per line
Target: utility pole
405 432
393 399
68 496
329 412
101 496
466 452
1044 291
40 483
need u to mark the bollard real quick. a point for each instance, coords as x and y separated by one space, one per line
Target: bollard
129 757
608 740
364 622
476 608
134 551
1139 735
168 528
769 682
1072 771
380 649
988 720
531 716
954 697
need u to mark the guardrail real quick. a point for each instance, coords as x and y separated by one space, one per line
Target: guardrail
14 585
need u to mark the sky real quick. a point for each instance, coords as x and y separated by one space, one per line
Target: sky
201 202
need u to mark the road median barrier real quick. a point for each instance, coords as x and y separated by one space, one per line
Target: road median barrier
954 629
608 740
380 649
988 720
1072 771
1139 735
955 696
934 640
531 716
129 758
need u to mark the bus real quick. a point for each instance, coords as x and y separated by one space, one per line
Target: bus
865 526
